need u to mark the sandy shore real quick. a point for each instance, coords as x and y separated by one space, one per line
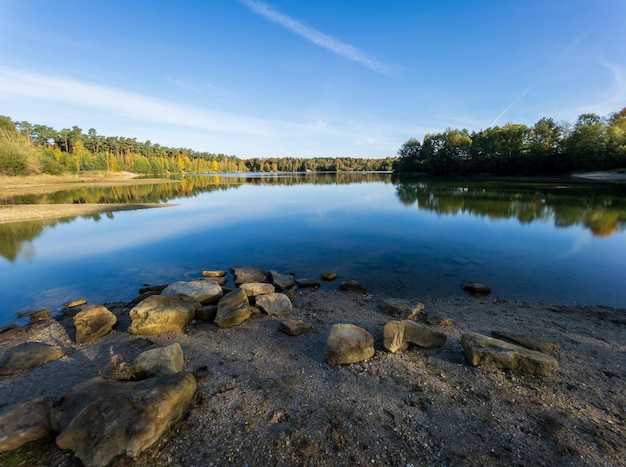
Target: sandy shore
265 398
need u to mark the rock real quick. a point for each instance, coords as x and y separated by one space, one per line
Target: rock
294 327
532 343
397 335
75 303
483 350
7 327
206 292
252 289
162 313
329 276
275 304
437 319
216 280
308 283
246 274
35 314
281 281
401 308
152 288
352 286
143 296
290 293
207 313
92 323
213 273
28 355
100 419
476 288
233 309
160 361
25 422
348 343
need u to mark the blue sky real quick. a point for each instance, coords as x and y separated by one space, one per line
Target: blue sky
307 78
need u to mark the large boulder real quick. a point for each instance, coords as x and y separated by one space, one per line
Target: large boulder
162 313
397 335
205 292
402 308
25 422
100 419
28 355
246 274
93 322
233 309
275 304
348 343
281 281
484 350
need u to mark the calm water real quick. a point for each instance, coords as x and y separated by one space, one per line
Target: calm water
557 241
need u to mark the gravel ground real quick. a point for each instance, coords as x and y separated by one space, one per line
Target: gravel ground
265 398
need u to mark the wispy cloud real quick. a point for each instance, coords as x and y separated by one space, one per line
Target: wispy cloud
519 98
316 37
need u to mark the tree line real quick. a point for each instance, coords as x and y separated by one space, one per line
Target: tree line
27 149
547 147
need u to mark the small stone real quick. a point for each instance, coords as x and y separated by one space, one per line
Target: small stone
75 303
305 283
294 327
275 304
233 309
437 319
161 361
246 274
348 343
281 281
329 276
532 343
206 292
401 308
476 288
213 273
397 335
153 288
92 323
353 286
35 314
25 422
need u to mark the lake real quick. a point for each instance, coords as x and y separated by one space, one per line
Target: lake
560 241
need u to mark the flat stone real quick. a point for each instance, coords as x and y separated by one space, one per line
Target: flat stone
233 309
162 313
305 283
352 286
206 292
483 350
161 361
245 274
92 323
275 304
397 335
75 303
281 281
294 327
100 419
35 314
216 280
402 308
252 289
25 422
438 319
476 288
532 343
348 343
28 355
213 273
152 288
329 276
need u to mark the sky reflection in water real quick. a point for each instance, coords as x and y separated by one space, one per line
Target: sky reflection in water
371 232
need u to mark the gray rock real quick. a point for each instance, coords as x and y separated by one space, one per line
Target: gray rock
305 283
348 343
275 304
25 422
402 308
476 288
206 292
532 343
160 361
397 335
352 286
483 350
329 276
28 355
162 313
438 319
93 322
294 327
233 309
216 280
246 274
207 313
281 281
100 419
253 289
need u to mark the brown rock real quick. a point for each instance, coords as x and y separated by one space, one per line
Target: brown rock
28 355
275 304
161 361
233 309
75 303
281 281
294 327
401 308
25 422
305 283
213 273
476 288
329 276
162 313
246 274
437 319
252 289
353 286
206 292
532 343
207 313
92 323
348 343
397 335
35 314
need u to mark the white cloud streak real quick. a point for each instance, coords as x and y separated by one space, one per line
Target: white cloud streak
519 98
316 37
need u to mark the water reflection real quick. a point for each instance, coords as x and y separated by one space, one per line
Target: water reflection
601 208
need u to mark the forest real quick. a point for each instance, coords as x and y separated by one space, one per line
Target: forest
28 149
547 148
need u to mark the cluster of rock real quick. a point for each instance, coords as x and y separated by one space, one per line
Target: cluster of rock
126 410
